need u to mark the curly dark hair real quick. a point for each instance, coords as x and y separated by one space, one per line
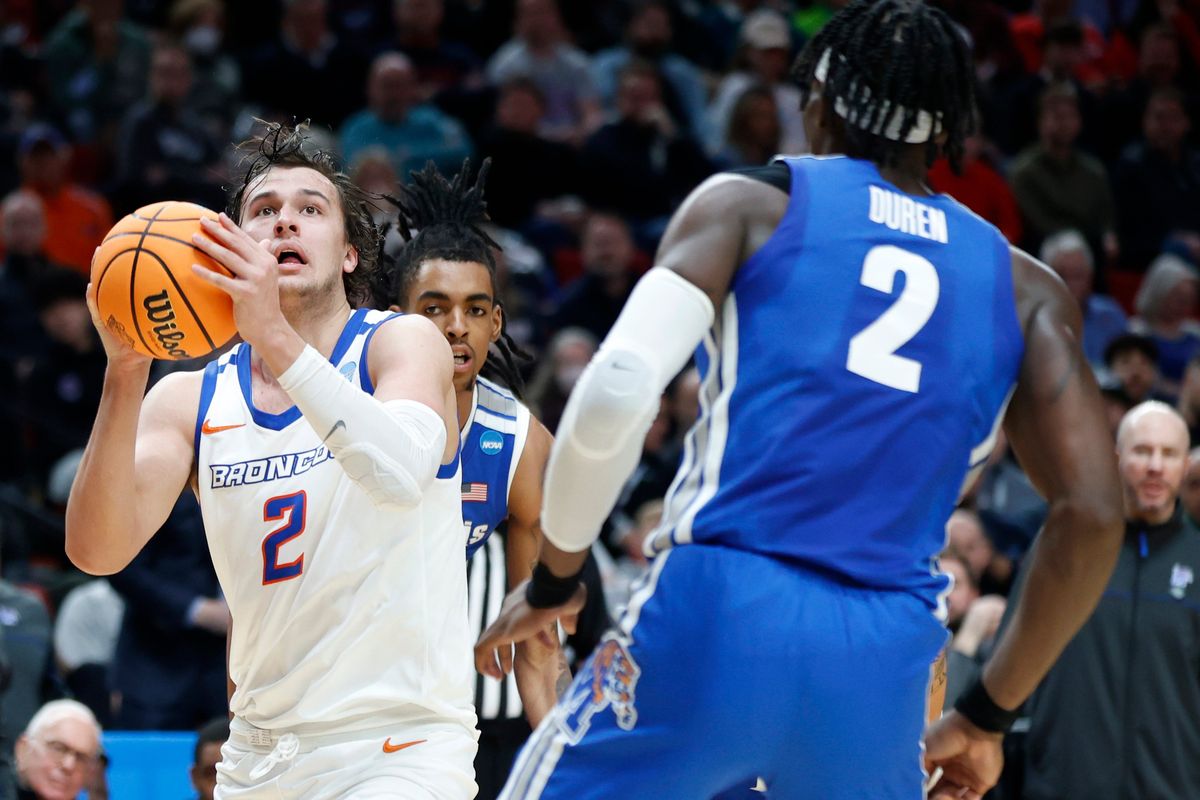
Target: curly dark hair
442 219
288 146
889 53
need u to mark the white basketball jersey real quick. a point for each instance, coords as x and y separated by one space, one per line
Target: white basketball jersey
345 616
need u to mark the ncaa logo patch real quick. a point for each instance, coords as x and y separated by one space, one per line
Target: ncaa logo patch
610 679
347 370
491 443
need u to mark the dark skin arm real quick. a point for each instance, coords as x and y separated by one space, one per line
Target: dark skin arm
540 666
721 224
1057 427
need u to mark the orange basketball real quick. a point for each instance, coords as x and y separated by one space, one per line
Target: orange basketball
146 292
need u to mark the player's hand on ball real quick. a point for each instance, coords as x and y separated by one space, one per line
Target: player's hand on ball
119 352
519 622
970 758
254 286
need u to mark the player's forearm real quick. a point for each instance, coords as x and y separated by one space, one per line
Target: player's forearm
101 519
541 678
1068 569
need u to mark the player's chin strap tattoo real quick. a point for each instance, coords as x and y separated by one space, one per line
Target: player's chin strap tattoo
604 425
391 450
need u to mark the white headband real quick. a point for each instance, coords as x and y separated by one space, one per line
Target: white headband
925 127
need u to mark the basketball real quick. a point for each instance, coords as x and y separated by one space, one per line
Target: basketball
146 292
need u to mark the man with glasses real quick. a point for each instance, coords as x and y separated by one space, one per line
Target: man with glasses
57 752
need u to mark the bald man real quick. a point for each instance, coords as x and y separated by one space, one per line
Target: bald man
1116 716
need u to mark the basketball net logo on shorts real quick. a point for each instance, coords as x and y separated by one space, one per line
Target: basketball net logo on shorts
159 310
614 683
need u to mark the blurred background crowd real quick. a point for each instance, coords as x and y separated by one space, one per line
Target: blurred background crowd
599 117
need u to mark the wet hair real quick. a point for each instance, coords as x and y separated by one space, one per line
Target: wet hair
286 146
443 219
888 53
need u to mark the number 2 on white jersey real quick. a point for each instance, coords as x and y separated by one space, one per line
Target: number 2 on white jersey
292 509
873 349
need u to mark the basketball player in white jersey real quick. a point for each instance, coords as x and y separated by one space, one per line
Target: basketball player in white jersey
325 456
446 272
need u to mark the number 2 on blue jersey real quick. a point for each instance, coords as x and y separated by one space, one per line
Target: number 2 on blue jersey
292 509
873 349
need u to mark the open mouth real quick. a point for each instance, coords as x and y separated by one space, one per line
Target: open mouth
462 357
291 257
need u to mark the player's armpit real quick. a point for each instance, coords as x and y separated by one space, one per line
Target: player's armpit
1058 430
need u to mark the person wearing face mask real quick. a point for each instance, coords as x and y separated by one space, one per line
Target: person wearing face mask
216 80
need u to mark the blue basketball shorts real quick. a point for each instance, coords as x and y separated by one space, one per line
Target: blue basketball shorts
728 666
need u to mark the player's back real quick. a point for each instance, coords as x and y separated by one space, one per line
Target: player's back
346 614
854 375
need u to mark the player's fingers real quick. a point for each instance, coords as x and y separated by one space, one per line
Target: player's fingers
222 282
219 253
507 654
225 231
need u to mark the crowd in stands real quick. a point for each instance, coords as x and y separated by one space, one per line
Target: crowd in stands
599 117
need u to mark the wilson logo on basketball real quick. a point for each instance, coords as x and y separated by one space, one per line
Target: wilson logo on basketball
159 310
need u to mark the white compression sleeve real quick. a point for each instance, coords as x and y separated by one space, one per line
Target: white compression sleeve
392 450
604 425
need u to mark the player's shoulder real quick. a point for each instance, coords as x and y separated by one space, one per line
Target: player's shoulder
1039 290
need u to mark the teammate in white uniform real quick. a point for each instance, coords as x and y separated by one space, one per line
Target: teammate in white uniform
446 272
324 451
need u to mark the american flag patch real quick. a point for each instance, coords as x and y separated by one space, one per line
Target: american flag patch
474 492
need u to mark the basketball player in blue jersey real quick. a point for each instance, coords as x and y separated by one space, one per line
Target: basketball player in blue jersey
324 452
447 272
861 340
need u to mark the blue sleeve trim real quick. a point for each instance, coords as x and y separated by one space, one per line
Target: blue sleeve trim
364 374
208 387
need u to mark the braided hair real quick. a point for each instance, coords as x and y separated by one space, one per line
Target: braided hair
443 219
286 146
898 55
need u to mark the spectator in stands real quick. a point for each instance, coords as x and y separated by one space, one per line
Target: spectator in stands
76 218
306 72
1188 404
62 392
396 119
1159 65
558 371
967 538
23 233
1056 185
1029 32
58 752
1116 715
643 164
539 50
526 167
169 670
1133 360
648 36
207 755
96 66
972 643
440 65
85 638
765 55
980 188
1068 254
26 650
964 589
1166 304
1189 494
1157 182
753 136
216 78
595 299
166 149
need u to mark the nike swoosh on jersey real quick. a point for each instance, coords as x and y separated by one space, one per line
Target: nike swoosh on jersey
388 747
205 428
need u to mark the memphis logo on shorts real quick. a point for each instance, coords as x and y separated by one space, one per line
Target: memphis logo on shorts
272 468
614 677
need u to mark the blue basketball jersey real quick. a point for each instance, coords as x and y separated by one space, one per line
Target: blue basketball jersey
492 442
855 375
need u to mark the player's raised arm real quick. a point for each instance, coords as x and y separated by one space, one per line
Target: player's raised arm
602 430
137 461
1057 427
